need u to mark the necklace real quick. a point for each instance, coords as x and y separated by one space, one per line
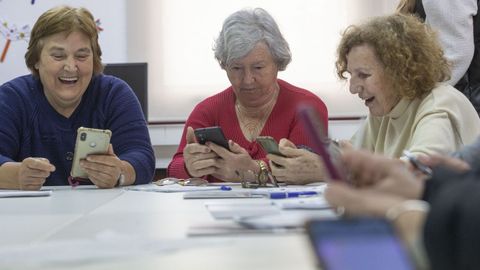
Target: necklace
253 125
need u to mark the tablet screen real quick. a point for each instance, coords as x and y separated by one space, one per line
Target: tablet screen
358 244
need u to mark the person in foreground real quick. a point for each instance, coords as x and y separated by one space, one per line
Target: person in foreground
251 49
438 216
396 66
41 112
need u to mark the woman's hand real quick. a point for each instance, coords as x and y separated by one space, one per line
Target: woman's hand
199 159
381 184
445 160
33 172
383 174
230 163
104 170
374 203
299 166
360 202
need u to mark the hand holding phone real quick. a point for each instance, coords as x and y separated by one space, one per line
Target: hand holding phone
211 134
89 141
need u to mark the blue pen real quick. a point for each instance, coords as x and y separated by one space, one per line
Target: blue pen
225 188
292 194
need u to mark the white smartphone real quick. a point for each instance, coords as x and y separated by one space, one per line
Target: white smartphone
89 141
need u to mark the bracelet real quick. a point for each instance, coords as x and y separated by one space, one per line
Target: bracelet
406 206
262 176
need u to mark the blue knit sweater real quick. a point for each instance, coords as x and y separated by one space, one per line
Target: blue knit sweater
30 126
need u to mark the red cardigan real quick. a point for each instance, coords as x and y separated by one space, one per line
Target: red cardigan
219 110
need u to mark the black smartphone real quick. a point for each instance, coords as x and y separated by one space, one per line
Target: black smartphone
211 134
360 243
269 145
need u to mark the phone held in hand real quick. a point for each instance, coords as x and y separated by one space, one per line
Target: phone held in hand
358 243
211 134
89 141
269 144
322 145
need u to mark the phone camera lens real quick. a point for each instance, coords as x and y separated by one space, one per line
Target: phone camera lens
83 136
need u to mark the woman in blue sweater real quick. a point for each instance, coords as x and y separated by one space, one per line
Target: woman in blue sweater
40 113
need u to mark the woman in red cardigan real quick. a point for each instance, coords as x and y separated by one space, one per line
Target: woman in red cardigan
251 49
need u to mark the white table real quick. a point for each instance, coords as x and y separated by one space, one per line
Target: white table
86 214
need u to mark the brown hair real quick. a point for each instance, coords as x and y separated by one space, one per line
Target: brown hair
408 49
63 19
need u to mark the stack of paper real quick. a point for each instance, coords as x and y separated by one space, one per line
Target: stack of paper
173 188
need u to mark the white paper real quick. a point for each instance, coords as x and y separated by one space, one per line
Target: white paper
266 191
172 188
240 210
302 203
235 194
24 193
284 219
219 228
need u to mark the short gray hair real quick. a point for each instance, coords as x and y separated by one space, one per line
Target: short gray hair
243 30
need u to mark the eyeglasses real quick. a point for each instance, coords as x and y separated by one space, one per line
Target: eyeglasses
194 181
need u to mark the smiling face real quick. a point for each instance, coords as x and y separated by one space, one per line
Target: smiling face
368 80
254 77
65 68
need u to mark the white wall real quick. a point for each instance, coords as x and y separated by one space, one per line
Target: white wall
112 14
178 38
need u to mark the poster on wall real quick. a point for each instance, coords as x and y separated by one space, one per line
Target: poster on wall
11 33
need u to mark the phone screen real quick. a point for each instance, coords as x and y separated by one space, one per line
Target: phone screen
358 244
